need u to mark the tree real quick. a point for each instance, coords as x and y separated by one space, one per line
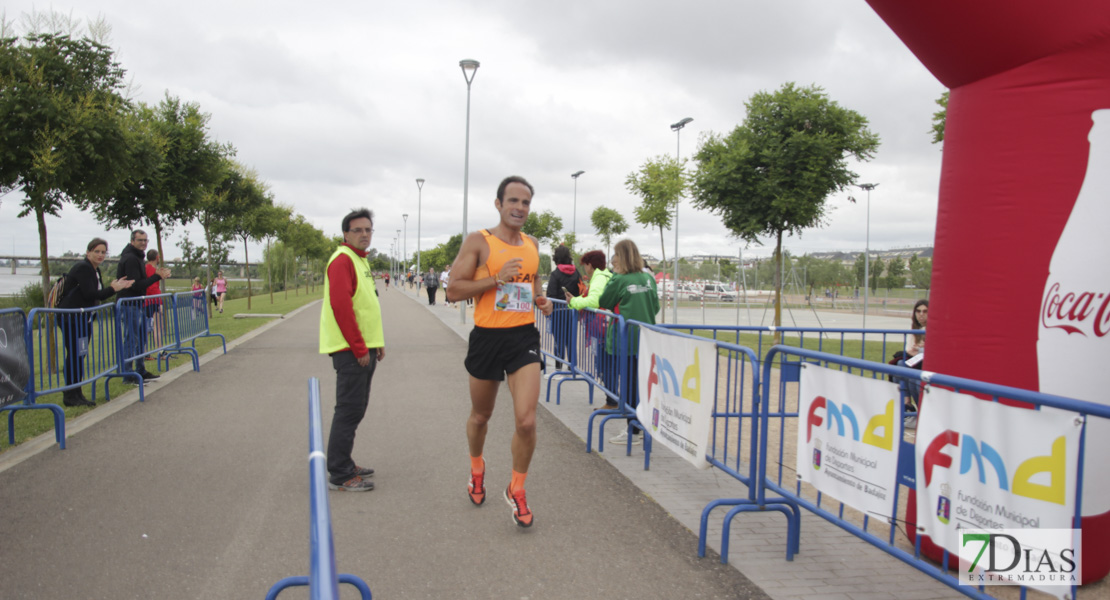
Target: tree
251 216
895 273
544 226
921 272
608 223
939 119
659 183
773 174
62 137
876 267
179 163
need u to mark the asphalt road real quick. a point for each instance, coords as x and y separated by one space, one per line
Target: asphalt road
201 491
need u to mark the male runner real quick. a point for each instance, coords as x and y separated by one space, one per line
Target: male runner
499 265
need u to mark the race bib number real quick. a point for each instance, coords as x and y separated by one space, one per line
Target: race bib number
514 297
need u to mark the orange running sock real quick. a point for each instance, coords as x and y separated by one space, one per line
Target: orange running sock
518 481
477 464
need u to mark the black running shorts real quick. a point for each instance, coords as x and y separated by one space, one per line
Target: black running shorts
494 352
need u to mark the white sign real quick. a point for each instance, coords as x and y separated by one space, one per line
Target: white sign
984 465
849 434
677 381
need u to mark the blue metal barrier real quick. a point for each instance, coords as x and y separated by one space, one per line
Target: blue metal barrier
141 331
779 413
18 372
191 323
322 581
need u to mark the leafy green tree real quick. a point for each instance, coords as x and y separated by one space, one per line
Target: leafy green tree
608 223
62 137
773 174
544 226
939 118
921 272
860 268
192 257
252 216
895 273
659 183
877 267
179 164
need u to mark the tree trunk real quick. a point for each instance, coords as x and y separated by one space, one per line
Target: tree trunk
247 262
44 260
158 234
663 248
270 269
778 288
207 268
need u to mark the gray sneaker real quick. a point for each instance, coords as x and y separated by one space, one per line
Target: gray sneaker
354 484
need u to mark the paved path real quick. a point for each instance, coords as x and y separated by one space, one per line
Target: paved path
201 491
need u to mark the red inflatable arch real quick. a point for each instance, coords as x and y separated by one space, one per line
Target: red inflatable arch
1028 79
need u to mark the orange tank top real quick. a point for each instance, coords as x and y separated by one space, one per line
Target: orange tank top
509 304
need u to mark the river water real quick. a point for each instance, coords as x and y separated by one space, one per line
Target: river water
10 285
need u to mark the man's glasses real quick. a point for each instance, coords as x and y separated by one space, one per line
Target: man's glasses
361 230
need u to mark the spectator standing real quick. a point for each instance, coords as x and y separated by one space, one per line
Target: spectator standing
563 278
132 315
154 309
593 262
631 293
84 289
351 333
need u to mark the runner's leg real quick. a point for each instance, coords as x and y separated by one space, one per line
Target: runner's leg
483 394
524 385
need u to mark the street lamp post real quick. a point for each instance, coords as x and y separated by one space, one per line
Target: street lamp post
405 243
469 68
677 128
574 217
400 258
867 250
419 200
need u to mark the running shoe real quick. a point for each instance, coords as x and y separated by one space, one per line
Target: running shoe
354 484
363 471
522 515
476 487
622 438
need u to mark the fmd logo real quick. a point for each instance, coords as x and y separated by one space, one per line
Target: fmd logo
978 455
847 424
663 374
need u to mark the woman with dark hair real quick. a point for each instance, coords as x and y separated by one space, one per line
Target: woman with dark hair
154 305
84 289
593 262
916 344
563 279
631 293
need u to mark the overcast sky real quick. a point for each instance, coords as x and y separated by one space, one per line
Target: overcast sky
345 104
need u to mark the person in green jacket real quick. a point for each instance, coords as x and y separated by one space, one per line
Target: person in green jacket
631 293
593 262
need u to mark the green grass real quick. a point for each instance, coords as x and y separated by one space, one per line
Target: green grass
874 350
31 423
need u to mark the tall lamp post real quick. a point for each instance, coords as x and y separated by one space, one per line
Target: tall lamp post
574 214
419 200
677 129
405 243
400 258
469 68
867 250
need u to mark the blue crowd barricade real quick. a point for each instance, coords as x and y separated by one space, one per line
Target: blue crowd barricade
323 580
191 323
779 428
142 330
558 332
17 372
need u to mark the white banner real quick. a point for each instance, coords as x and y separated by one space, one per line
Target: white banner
677 379
849 434
984 465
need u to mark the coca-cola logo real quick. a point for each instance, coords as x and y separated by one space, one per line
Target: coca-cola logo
1082 313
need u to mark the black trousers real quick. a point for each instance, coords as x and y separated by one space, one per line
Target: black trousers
352 394
76 330
431 295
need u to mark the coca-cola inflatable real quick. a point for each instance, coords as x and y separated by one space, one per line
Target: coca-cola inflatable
1021 280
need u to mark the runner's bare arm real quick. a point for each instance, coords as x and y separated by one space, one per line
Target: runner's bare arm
461 283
